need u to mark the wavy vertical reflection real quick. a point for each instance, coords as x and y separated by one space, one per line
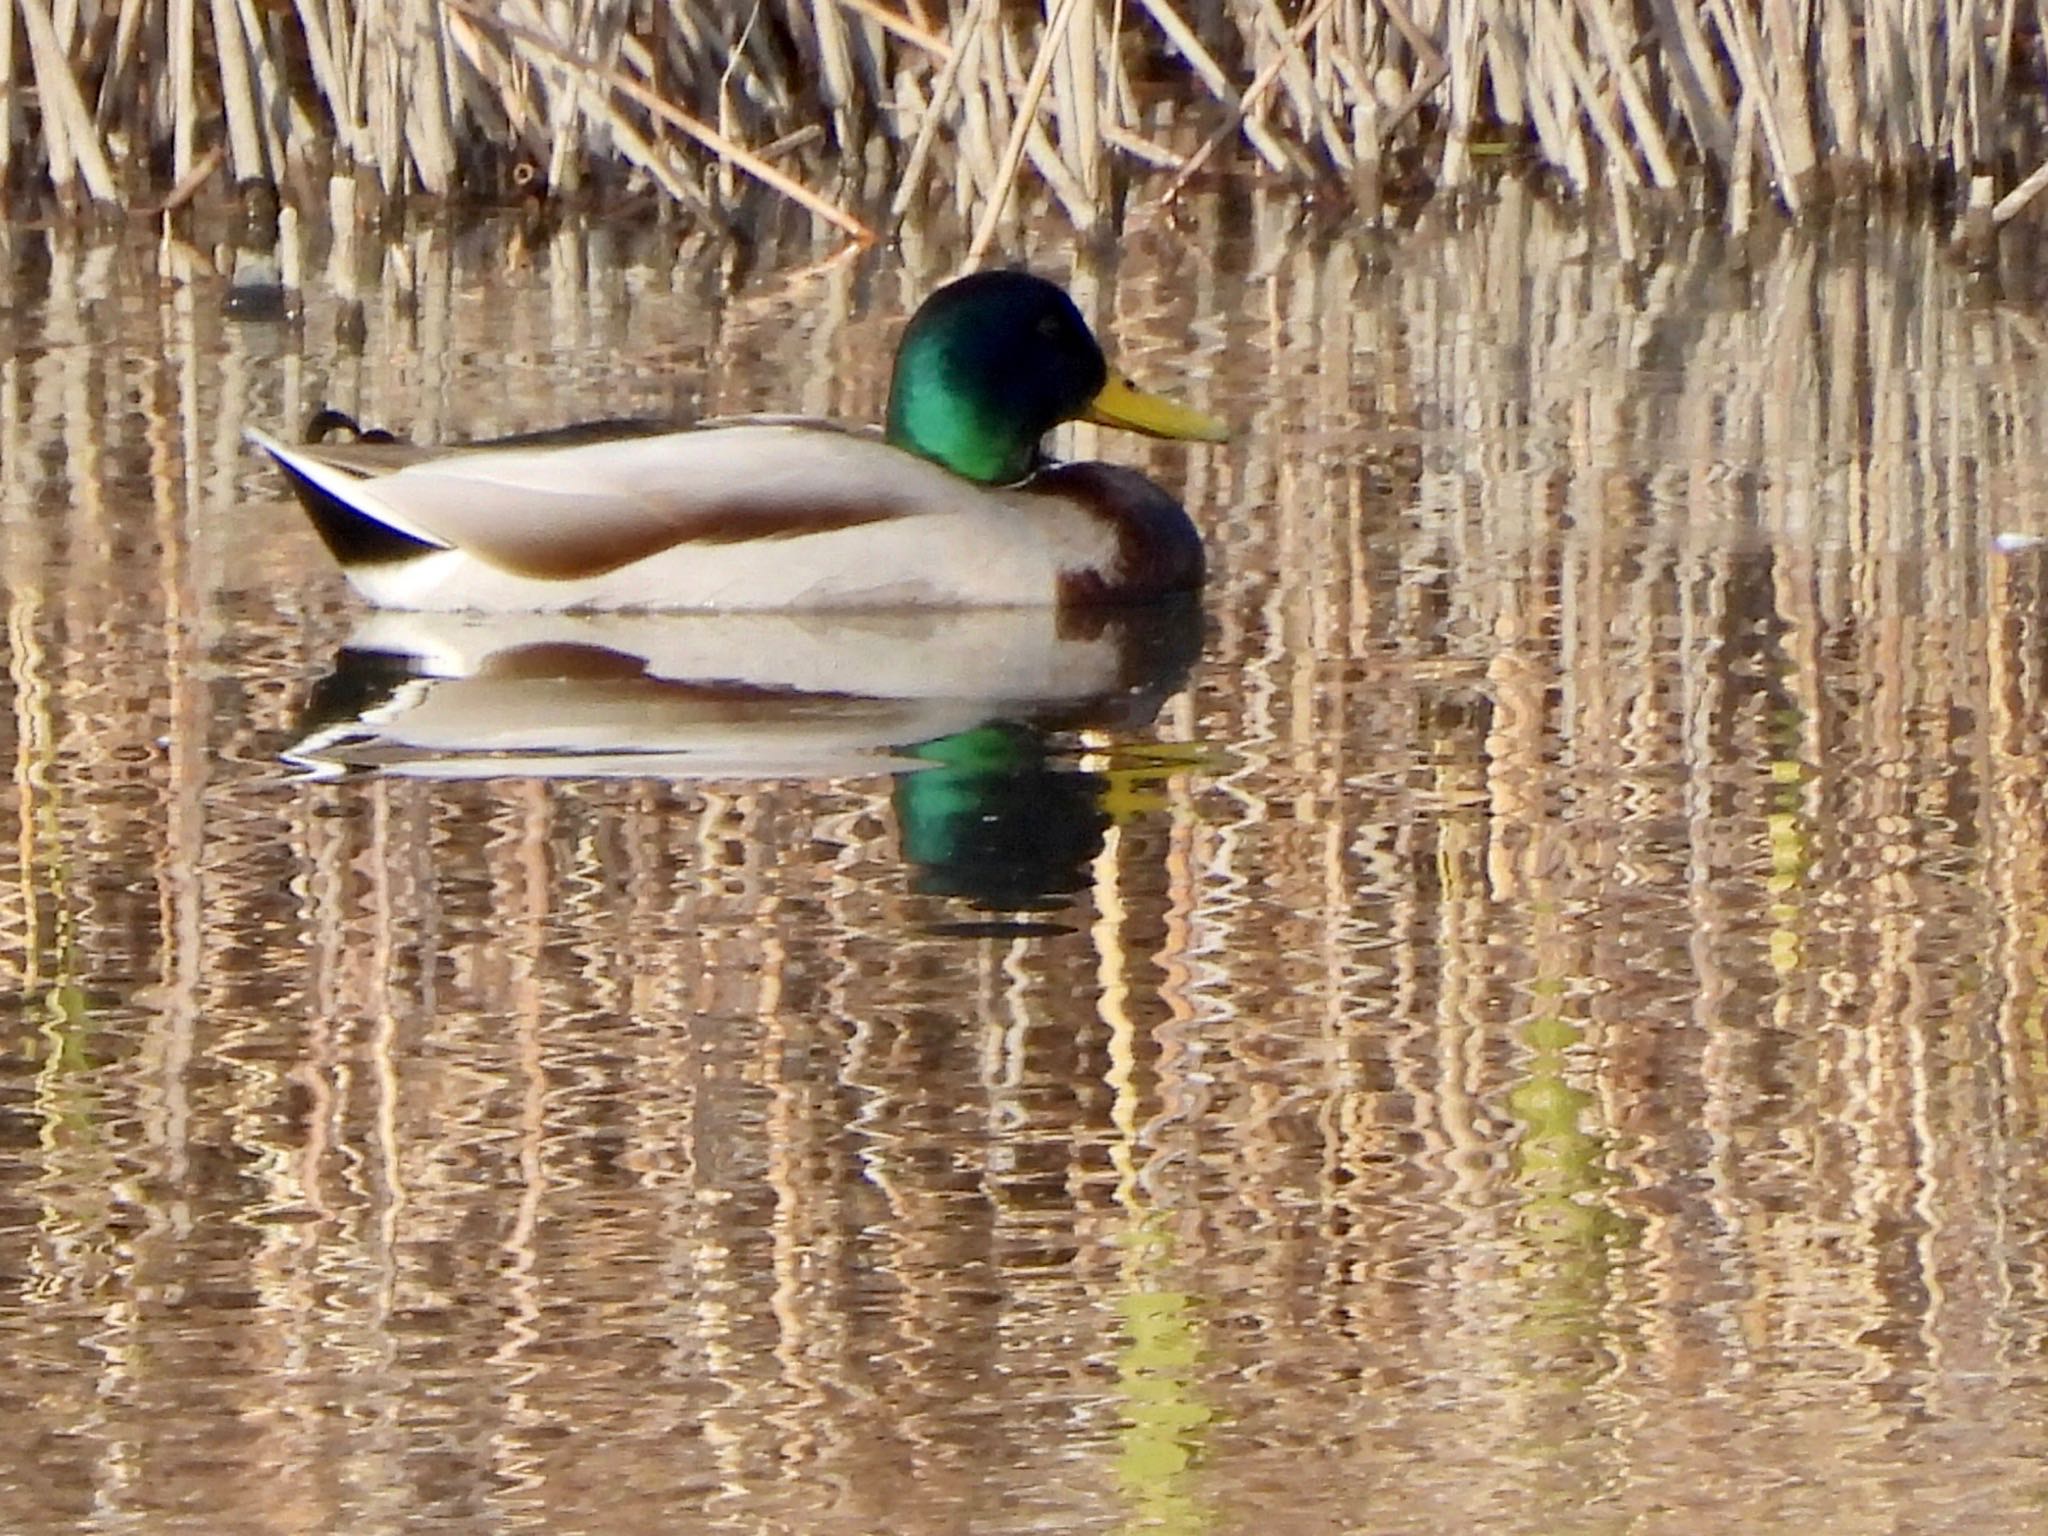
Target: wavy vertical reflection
1542 1025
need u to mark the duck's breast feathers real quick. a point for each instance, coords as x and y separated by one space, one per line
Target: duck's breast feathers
1158 552
562 513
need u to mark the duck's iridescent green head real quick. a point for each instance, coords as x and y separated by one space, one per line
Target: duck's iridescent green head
991 363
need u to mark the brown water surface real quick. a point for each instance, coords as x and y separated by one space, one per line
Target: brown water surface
1525 1015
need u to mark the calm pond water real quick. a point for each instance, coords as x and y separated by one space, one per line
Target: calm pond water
1523 1013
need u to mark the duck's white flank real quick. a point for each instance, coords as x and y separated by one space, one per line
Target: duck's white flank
748 516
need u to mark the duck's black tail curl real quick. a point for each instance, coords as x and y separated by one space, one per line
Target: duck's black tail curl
355 537
327 421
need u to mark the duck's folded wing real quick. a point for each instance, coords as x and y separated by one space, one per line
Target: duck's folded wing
568 513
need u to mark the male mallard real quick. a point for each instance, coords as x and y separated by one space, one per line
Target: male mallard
953 505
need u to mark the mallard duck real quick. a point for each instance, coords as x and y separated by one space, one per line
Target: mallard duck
953 504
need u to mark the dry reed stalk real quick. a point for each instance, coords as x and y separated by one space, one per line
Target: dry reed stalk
1299 75
1743 171
284 120
558 18
118 98
755 167
944 91
1642 120
1079 125
1465 86
1326 79
1966 86
1842 95
187 189
67 125
838 79
1690 63
334 83
429 124
2001 46
1267 63
1144 151
729 124
1889 82
1737 28
1593 108
1503 56
12 126
1261 83
1078 82
246 158
1027 113
1340 50
977 134
1083 208
1786 42
2015 202
1559 129
342 257
383 101
486 86
181 24
911 31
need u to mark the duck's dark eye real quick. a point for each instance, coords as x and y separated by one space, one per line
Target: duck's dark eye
1050 328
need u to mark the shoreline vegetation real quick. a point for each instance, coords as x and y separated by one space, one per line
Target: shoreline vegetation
861 111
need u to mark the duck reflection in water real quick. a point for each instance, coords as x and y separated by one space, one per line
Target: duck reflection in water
1000 821
969 708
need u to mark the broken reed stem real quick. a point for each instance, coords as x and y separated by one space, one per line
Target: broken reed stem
681 96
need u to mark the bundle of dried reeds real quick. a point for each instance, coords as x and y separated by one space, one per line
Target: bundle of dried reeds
858 110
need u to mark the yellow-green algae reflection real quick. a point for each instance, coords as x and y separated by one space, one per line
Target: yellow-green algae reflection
1158 1373
1540 1029
1159 1358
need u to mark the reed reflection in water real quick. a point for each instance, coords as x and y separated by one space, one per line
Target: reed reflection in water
1546 1032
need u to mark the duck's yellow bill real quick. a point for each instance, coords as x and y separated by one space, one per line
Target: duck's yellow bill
1121 403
